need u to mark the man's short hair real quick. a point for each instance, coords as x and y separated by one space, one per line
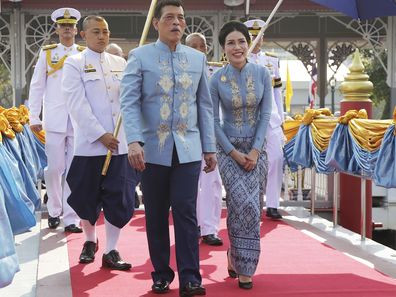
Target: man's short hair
193 35
114 49
89 18
162 3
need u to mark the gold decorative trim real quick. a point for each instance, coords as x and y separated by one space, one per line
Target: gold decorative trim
237 104
55 66
251 100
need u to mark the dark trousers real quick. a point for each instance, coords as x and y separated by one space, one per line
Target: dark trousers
91 192
175 187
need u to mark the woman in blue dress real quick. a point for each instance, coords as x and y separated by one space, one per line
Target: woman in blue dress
243 91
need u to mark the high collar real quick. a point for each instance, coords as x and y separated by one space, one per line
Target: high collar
67 48
163 46
91 53
234 70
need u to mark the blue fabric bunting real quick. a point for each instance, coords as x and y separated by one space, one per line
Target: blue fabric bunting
340 154
27 156
11 146
19 208
385 168
40 148
8 258
302 149
32 145
319 158
288 155
365 159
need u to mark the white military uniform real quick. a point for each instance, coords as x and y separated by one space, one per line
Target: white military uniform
94 103
209 189
275 136
45 91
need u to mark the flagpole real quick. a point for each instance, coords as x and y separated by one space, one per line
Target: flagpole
261 33
119 119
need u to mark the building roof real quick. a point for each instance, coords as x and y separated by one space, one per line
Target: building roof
138 5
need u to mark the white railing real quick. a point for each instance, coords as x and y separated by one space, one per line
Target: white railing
310 179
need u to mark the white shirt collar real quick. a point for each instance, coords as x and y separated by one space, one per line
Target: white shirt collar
99 56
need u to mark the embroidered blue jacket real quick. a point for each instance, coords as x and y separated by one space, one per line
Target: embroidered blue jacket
245 98
165 101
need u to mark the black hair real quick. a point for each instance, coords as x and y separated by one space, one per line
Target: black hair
232 26
92 18
162 3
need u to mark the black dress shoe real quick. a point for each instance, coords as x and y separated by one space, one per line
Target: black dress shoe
72 228
273 213
212 239
53 222
113 260
160 287
191 289
245 285
88 252
45 198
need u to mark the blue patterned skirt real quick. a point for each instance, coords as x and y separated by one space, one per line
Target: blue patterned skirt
243 191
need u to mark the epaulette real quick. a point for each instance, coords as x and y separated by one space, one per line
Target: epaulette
271 54
49 46
80 48
216 64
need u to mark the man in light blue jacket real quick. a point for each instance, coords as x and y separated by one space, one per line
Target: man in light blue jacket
168 119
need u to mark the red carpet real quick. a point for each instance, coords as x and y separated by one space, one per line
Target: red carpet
291 265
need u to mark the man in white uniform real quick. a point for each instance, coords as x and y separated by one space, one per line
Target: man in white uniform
209 185
45 92
275 136
91 86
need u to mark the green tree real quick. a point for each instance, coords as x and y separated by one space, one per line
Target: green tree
377 74
5 87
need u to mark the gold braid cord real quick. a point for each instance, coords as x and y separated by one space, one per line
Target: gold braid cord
55 67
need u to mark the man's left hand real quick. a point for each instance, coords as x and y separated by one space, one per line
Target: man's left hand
210 161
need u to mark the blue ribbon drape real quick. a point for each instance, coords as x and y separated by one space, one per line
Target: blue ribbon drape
340 151
385 168
11 145
8 258
19 207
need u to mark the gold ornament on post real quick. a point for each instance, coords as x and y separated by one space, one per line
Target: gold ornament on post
356 86
119 119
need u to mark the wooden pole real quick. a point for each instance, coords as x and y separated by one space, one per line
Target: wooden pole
141 42
261 33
